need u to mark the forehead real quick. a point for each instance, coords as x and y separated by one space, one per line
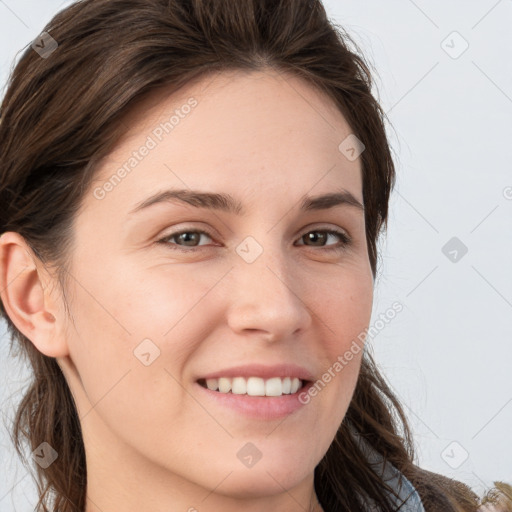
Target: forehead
236 93
234 130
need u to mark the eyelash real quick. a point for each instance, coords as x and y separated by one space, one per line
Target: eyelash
345 239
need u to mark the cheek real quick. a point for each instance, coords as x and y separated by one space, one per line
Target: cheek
128 303
145 323
130 342
344 305
343 310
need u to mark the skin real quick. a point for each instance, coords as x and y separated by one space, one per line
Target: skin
152 441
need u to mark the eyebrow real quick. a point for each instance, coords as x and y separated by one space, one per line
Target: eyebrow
227 203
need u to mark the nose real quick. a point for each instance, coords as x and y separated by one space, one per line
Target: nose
268 300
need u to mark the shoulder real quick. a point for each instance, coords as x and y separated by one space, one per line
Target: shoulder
441 493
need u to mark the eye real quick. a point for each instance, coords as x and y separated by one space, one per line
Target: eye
188 237
312 236
187 240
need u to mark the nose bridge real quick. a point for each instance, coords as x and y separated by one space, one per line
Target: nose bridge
265 295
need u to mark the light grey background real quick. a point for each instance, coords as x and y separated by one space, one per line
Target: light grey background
448 353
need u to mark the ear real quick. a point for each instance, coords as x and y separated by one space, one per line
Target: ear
25 293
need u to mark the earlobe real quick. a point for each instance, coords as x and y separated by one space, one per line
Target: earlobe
26 299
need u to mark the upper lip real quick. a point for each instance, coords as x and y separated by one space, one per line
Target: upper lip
263 371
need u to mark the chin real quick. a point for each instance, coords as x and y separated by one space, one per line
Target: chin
266 481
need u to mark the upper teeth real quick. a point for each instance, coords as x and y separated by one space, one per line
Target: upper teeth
255 386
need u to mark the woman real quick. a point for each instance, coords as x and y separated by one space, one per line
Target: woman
193 193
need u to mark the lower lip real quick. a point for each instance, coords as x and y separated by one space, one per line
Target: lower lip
259 407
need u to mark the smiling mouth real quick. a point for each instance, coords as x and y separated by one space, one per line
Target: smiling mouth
254 386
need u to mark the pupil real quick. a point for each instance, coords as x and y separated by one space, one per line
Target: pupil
313 236
185 237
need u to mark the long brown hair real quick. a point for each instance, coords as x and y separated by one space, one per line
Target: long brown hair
62 113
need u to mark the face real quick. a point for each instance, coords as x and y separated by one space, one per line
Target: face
168 294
